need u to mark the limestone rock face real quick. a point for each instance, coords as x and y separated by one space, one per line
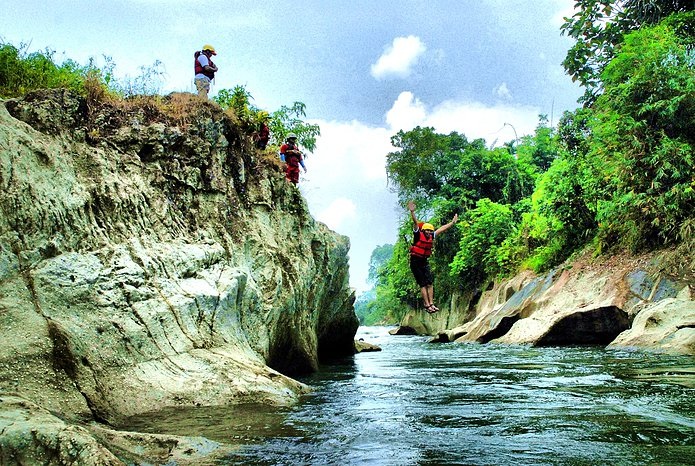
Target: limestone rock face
150 258
32 435
667 325
623 301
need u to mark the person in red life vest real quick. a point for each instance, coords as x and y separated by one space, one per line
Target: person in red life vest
262 136
289 152
420 251
205 70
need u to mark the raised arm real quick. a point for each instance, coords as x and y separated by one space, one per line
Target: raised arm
411 208
443 228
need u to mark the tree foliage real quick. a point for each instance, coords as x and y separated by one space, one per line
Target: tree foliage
483 230
281 122
642 136
21 72
598 28
379 258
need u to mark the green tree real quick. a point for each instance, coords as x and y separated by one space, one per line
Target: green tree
281 122
288 120
483 230
539 150
379 258
642 139
598 27
432 169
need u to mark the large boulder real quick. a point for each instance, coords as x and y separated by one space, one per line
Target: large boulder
667 326
32 435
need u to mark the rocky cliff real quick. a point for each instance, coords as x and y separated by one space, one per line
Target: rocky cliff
149 257
645 302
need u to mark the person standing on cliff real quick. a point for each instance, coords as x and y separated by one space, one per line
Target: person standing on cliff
289 152
205 70
420 251
262 136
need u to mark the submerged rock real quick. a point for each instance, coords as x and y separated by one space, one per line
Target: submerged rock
362 346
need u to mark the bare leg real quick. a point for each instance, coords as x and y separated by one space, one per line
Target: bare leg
425 297
430 294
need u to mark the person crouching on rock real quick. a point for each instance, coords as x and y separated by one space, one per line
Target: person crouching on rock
420 251
290 153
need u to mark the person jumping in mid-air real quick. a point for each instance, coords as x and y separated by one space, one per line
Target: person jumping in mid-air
424 235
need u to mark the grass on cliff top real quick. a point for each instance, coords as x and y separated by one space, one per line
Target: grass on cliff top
22 72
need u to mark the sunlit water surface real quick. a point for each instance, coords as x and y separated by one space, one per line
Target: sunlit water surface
427 404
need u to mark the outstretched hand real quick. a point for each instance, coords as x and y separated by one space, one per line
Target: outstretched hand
456 217
411 206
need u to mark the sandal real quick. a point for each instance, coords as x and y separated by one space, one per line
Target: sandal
431 309
435 308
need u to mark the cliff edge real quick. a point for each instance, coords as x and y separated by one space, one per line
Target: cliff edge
149 257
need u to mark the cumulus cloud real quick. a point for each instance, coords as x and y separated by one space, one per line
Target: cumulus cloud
473 119
406 113
399 58
346 188
564 9
339 211
502 91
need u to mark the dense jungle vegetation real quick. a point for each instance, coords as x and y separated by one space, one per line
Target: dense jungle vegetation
615 175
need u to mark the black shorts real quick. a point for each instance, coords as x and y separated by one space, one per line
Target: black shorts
421 271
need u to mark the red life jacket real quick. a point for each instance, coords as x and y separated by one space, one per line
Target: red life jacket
200 69
423 245
291 159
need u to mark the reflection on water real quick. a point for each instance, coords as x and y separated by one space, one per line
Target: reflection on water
421 403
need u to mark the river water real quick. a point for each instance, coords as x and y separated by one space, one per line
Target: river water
427 404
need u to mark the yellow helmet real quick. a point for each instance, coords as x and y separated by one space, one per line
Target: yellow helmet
427 226
210 48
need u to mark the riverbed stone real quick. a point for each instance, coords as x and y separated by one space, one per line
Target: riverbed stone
32 435
667 326
362 346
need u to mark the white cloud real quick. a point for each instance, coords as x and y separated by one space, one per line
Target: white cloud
565 9
337 212
406 113
399 58
502 91
346 188
473 119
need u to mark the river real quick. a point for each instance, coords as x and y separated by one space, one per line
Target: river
427 404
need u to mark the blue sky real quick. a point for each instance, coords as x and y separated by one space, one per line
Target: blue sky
364 69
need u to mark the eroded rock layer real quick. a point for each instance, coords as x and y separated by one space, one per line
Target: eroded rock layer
150 258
